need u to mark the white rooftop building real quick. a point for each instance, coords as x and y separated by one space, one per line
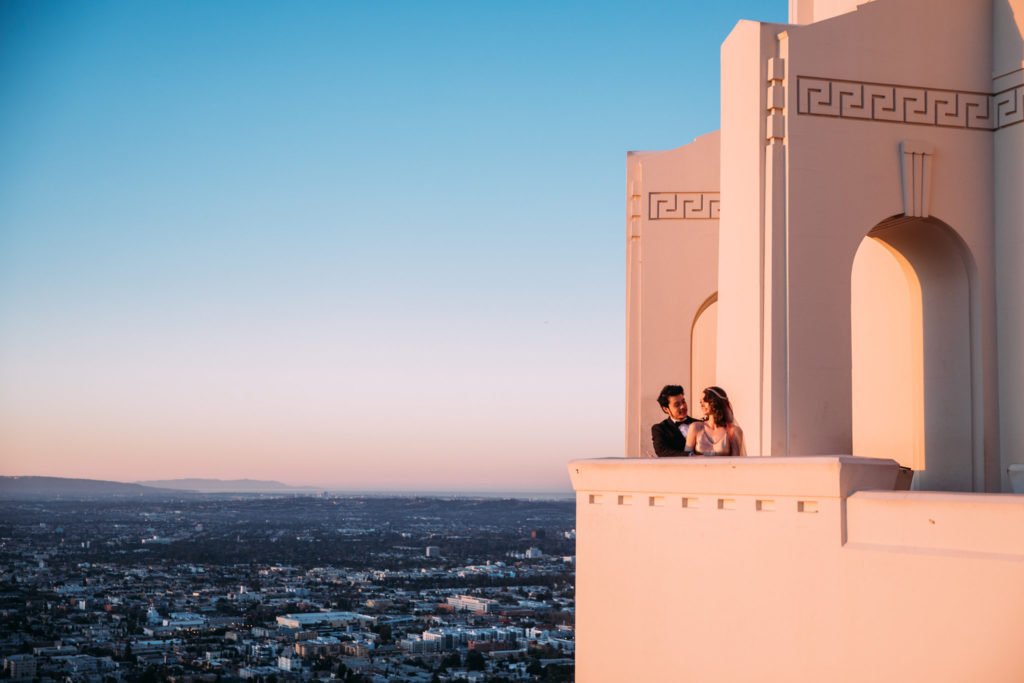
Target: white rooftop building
307 619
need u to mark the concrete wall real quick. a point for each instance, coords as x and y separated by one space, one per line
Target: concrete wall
810 11
671 273
940 285
844 176
797 569
1008 149
817 157
751 350
870 300
887 364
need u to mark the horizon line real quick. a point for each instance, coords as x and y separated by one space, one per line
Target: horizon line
568 493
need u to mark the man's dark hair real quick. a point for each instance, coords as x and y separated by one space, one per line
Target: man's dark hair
669 391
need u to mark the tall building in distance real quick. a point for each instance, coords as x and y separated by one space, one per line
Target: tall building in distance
844 258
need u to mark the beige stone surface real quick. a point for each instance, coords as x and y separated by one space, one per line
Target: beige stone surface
870 301
1008 194
671 272
792 569
892 122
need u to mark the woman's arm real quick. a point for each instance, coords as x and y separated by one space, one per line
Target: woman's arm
691 437
736 445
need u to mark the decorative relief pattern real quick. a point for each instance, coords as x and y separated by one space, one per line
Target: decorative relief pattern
634 200
682 205
903 104
1009 106
775 125
635 206
916 161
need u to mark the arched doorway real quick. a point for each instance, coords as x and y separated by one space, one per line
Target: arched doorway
703 350
912 352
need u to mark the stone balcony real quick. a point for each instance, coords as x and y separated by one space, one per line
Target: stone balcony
797 569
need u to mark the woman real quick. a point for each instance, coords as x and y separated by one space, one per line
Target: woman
719 434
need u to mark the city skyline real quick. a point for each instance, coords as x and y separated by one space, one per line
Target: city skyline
355 245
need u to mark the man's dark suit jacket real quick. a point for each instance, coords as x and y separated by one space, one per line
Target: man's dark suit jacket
668 441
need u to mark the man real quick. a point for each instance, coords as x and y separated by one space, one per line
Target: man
669 435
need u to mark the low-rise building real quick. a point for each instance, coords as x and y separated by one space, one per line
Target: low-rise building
417 644
307 619
357 648
470 603
316 647
290 662
20 666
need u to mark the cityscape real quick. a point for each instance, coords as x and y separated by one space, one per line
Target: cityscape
323 357
276 587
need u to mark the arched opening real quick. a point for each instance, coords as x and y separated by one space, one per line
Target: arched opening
912 358
703 350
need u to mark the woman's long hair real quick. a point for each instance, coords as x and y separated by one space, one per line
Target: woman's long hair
719 407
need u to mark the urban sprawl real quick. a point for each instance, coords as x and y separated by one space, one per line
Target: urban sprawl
280 588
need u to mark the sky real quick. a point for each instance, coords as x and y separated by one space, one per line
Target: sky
353 244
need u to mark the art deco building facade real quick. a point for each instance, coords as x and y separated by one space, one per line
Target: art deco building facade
845 257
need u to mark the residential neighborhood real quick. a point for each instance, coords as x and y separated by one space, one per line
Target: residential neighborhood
200 589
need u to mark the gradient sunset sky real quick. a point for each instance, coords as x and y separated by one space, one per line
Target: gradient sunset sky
357 245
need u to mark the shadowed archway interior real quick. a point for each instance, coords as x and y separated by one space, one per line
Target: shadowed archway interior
703 342
913 382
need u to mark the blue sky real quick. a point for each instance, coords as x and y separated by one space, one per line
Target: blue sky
358 244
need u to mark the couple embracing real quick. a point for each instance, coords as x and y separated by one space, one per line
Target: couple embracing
682 435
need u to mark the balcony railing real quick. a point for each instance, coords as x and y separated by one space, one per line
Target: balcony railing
809 568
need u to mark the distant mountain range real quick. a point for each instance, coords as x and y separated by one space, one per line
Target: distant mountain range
226 486
60 488
49 488
34 488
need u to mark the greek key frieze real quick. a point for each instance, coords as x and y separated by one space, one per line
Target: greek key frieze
905 104
1009 106
682 205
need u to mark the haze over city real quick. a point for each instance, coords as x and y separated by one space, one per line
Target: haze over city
355 245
